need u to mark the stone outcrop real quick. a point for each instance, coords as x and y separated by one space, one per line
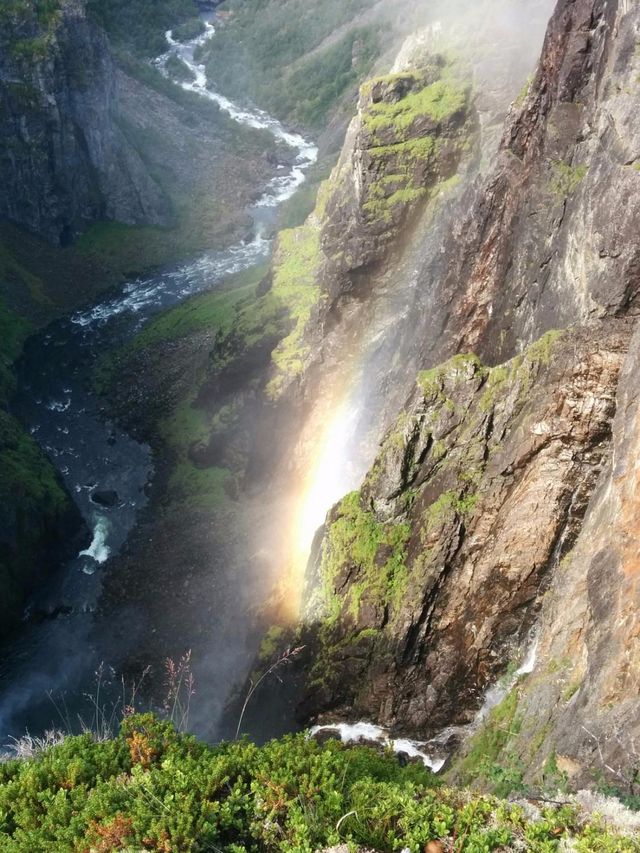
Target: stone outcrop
431 577
407 140
65 159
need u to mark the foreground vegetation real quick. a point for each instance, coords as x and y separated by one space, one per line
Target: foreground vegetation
151 788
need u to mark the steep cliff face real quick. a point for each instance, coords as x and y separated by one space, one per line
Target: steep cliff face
549 239
432 575
582 701
408 141
467 537
65 161
421 136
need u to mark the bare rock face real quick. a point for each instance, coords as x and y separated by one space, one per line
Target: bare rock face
549 239
431 577
65 160
582 701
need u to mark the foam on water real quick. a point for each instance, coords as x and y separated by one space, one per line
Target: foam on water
98 550
145 296
531 657
58 405
363 731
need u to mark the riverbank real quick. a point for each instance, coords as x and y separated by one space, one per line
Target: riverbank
217 169
95 457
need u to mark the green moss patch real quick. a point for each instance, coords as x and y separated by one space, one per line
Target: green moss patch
203 488
488 744
404 138
439 102
31 27
296 265
214 311
376 552
13 331
566 179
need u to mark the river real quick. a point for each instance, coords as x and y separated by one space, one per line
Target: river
47 668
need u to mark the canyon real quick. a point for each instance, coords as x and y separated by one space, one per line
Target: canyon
379 405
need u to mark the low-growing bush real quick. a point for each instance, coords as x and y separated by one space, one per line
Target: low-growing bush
153 789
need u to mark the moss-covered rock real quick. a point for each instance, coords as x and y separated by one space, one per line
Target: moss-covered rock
296 268
408 140
430 577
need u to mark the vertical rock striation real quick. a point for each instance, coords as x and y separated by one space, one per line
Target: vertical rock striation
468 534
65 160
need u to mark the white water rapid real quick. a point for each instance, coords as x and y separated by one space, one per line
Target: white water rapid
149 295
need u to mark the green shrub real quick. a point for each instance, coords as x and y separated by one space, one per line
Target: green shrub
152 789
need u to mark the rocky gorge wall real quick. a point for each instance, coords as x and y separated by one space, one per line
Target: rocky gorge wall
65 160
468 537
108 170
498 294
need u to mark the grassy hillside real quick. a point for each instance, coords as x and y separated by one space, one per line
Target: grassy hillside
140 25
152 789
293 58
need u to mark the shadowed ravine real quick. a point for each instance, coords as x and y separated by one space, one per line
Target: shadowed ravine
55 652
